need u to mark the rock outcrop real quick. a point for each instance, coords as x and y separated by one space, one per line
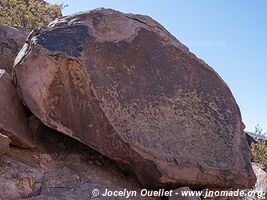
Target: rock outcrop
61 168
13 121
123 85
11 41
4 144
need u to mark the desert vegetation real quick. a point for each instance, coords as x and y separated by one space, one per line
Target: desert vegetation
259 149
28 14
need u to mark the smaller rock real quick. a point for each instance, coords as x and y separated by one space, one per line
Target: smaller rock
46 161
13 121
178 194
8 189
11 41
4 144
261 184
250 139
18 178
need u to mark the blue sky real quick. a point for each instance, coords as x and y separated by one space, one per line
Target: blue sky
231 36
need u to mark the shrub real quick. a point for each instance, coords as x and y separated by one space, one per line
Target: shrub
259 153
28 13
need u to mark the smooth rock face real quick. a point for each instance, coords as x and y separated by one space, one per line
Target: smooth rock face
123 85
4 144
11 41
13 121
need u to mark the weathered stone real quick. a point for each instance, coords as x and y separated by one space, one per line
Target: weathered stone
261 184
53 172
123 85
13 121
11 41
179 194
4 144
17 176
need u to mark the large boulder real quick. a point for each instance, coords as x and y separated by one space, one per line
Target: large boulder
13 121
123 85
11 41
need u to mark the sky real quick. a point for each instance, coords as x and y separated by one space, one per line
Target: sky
231 36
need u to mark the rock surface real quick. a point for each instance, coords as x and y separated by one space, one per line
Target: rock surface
261 184
4 144
13 121
250 139
123 85
179 196
61 168
11 41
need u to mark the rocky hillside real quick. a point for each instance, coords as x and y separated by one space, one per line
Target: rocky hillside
107 100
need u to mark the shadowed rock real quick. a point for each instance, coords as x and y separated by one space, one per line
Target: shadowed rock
13 121
261 184
4 144
61 168
123 85
11 41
